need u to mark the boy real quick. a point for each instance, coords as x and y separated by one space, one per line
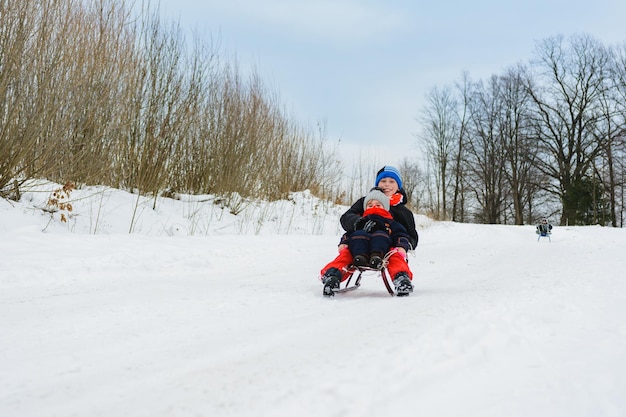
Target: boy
544 228
376 232
388 180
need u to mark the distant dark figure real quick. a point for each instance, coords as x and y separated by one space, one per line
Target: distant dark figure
544 229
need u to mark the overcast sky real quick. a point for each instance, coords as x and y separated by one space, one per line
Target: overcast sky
364 67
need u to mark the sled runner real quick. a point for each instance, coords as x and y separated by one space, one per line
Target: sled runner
356 274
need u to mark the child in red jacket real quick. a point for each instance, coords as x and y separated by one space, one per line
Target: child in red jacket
376 232
361 235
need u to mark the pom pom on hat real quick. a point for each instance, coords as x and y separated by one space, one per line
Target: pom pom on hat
376 194
389 172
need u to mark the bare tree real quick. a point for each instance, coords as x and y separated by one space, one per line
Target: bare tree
34 38
520 153
413 183
464 87
439 139
566 97
614 110
486 155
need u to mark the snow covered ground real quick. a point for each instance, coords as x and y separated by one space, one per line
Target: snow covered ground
200 312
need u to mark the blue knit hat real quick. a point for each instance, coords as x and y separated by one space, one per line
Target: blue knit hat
389 172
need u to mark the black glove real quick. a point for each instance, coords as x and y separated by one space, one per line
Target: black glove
368 225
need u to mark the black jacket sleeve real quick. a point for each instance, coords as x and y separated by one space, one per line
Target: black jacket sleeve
399 236
353 214
405 216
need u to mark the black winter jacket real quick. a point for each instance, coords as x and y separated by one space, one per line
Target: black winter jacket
399 212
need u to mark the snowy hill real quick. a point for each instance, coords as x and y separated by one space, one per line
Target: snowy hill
201 312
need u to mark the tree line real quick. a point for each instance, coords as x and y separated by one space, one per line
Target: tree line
95 93
543 138
92 92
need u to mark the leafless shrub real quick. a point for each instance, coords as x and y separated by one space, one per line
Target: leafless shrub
92 93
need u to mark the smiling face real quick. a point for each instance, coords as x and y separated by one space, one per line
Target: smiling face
388 185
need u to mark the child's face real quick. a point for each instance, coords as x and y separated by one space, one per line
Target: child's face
374 203
388 185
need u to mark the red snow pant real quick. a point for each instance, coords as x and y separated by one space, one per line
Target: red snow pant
397 263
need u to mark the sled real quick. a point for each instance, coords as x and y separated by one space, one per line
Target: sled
356 273
543 230
543 234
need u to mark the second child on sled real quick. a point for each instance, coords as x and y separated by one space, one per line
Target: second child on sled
375 233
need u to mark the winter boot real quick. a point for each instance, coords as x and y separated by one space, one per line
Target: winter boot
403 284
360 260
331 280
376 260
